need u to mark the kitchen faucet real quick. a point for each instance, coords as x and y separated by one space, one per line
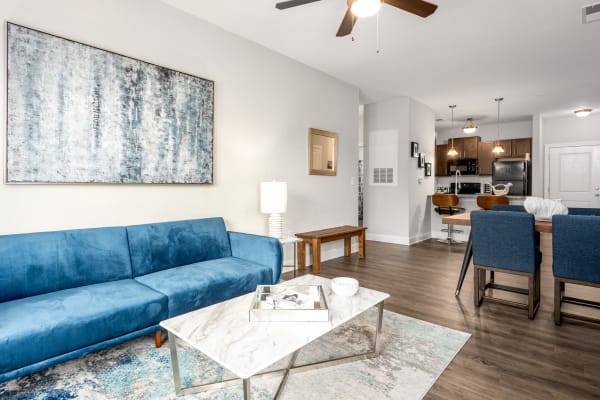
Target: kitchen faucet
456 187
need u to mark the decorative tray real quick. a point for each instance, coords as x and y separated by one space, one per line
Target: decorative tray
289 303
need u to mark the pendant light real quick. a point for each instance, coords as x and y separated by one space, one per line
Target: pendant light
469 127
498 149
452 150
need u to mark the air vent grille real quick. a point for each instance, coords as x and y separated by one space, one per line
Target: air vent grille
590 13
383 175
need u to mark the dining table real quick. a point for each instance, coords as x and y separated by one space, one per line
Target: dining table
464 219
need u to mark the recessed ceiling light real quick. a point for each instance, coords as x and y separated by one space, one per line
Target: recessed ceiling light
583 112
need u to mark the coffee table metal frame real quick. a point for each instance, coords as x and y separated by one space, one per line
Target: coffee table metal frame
179 390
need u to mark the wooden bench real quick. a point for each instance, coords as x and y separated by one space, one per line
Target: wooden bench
315 238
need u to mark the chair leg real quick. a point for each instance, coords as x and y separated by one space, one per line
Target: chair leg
531 295
558 293
476 299
491 276
158 338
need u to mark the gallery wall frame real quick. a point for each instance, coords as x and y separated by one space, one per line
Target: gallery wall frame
421 161
427 169
414 149
80 114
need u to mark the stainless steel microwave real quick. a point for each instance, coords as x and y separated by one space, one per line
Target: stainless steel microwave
466 166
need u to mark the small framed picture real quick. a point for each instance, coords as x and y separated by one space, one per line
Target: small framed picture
428 169
414 149
421 160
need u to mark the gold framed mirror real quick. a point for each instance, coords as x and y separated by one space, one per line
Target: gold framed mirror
322 152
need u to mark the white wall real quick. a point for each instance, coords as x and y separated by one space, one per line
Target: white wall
264 106
422 131
565 129
571 129
400 213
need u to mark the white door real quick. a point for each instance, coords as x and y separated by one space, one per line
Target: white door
574 175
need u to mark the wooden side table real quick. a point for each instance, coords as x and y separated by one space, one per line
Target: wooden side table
315 238
294 241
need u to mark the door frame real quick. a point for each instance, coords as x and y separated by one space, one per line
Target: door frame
546 157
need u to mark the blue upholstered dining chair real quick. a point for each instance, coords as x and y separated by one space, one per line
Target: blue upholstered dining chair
505 241
576 260
508 207
584 211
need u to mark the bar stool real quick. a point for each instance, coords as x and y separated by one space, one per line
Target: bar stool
487 201
446 204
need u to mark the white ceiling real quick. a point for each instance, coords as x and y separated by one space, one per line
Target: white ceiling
535 53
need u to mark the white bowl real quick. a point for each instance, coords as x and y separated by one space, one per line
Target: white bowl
344 286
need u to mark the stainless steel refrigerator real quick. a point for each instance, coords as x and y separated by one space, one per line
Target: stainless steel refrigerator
516 172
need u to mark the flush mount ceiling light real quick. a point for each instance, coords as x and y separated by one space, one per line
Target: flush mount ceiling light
469 127
583 112
452 150
365 8
498 148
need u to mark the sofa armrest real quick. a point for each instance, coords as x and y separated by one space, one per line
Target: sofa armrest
259 249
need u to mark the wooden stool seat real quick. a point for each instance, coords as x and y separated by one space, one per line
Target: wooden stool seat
487 201
447 204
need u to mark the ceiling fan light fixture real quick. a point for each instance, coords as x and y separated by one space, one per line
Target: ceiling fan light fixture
583 112
469 127
365 8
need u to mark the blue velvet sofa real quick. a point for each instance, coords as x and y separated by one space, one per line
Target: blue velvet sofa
68 293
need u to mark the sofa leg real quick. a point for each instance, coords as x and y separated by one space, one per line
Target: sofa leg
158 338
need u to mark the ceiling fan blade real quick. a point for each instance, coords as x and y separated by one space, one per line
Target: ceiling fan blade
421 8
292 3
347 24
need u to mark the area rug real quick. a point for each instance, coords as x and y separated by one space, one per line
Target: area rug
414 354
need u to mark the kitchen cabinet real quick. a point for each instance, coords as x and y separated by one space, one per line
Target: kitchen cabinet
486 158
465 146
521 147
441 158
473 147
507 144
458 145
515 148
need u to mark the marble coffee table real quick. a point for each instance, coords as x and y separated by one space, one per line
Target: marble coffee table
223 333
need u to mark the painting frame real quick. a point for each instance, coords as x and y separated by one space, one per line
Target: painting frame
421 160
414 149
427 169
169 139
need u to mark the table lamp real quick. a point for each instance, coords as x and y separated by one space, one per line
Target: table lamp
273 201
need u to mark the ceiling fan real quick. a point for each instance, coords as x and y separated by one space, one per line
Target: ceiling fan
363 8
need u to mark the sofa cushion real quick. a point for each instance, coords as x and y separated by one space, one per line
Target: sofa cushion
39 327
155 247
37 263
201 284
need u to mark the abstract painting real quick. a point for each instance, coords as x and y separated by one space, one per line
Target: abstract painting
79 114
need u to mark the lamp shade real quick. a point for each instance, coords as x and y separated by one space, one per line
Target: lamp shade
273 197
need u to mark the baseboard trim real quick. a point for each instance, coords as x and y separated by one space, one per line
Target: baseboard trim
443 235
377 237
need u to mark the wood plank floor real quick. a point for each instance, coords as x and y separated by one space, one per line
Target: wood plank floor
508 356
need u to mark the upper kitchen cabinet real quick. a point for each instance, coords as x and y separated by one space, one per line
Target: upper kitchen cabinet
465 146
515 148
521 147
441 160
470 146
486 157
